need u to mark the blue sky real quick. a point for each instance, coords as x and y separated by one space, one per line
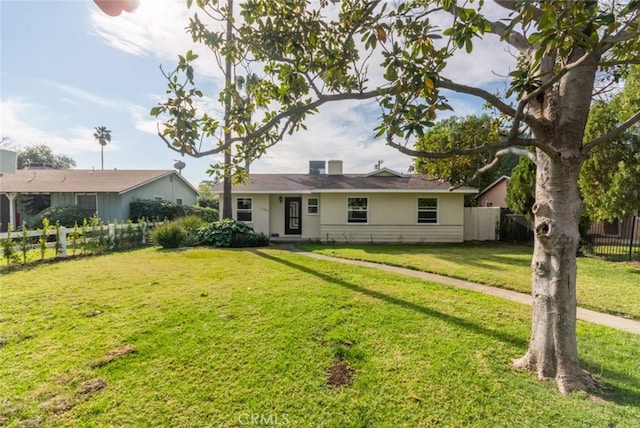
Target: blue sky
66 68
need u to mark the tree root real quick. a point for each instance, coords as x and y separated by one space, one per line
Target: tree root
582 381
567 382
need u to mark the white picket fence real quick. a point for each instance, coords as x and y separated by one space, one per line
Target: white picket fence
64 235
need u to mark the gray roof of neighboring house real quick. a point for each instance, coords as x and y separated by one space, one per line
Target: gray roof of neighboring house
318 183
80 181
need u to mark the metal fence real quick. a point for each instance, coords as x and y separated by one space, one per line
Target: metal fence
617 240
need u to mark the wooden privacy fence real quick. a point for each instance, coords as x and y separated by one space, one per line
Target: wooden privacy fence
85 239
481 223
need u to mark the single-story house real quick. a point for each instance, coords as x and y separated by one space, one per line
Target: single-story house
106 193
329 206
495 194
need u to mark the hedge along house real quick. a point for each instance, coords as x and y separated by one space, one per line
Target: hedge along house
106 193
327 205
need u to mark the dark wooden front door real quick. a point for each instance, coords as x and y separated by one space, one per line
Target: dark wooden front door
293 216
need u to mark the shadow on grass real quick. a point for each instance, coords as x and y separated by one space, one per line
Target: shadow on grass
622 388
460 322
625 391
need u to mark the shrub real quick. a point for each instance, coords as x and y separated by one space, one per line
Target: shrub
207 214
191 224
169 235
67 216
154 210
231 233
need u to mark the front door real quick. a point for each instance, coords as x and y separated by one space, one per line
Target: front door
292 216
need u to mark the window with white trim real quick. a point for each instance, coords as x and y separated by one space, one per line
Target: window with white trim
88 202
243 209
428 210
312 206
357 210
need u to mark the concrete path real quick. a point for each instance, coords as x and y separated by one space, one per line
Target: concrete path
619 323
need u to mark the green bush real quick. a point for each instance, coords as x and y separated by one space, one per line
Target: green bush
169 235
191 224
67 216
152 209
207 214
208 202
231 233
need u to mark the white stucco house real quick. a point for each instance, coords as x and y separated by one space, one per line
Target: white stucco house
329 206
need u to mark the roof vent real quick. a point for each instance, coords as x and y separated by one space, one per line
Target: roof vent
317 167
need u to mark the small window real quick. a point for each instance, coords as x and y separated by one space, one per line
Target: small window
488 204
89 203
243 210
312 206
357 210
428 210
179 201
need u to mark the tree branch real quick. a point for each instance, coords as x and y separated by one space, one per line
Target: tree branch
499 155
286 114
506 144
512 37
611 135
477 92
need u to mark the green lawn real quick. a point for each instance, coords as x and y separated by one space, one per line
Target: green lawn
207 337
612 287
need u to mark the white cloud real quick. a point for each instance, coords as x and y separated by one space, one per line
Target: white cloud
82 95
25 123
157 29
339 131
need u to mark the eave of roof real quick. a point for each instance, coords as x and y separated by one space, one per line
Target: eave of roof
81 181
492 185
348 183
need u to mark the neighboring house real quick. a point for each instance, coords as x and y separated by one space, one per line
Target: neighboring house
327 205
495 194
106 193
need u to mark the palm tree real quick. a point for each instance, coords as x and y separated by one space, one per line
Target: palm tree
103 136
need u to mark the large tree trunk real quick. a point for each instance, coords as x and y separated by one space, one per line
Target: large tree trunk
553 348
562 113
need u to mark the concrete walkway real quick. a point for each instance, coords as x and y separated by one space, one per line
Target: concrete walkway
619 323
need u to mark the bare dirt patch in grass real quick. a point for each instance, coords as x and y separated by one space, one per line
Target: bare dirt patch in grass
91 386
58 404
92 314
113 355
340 374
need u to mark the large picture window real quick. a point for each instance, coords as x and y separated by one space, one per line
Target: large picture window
428 210
89 203
357 210
243 210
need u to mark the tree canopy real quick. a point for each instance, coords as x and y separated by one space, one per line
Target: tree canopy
41 154
311 54
610 176
458 132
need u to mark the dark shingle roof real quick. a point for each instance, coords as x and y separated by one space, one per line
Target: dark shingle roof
301 183
77 180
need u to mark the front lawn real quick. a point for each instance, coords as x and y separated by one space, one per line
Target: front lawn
612 287
231 338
